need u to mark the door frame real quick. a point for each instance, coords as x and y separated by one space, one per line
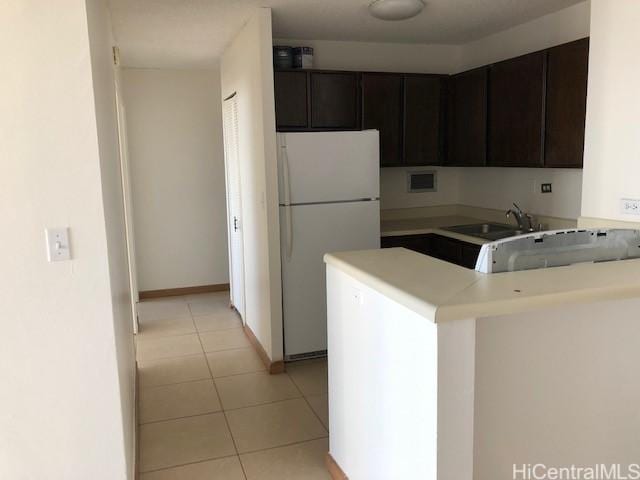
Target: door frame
127 195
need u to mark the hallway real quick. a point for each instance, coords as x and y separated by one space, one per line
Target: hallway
209 410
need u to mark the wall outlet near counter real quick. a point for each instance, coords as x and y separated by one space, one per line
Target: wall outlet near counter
545 188
630 206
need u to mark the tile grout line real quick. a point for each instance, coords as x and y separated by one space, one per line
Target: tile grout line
224 415
284 445
237 455
191 463
309 405
139 360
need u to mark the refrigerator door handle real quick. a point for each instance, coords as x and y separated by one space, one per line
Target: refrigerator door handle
287 197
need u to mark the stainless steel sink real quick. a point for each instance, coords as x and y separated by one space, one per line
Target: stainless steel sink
488 231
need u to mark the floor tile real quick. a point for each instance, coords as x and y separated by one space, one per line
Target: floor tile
211 297
254 389
218 321
274 425
182 441
310 376
234 362
294 462
221 469
173 370
320 405
180 400
164 347
224 340
163 309
166 327
214 307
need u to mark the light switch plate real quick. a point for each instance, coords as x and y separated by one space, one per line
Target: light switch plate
630 206
546 188
58 248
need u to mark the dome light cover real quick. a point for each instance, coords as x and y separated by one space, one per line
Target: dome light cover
395 9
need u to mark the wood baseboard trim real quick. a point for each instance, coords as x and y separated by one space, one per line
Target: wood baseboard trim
174 292
334 469
272 367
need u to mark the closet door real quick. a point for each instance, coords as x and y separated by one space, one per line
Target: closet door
234 204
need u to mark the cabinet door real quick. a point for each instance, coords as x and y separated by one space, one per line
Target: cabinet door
567 73
469 255
382 110
467 138
423 119
291 100
334 100
417 243
516 111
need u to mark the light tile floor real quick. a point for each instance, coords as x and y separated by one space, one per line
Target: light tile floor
208 410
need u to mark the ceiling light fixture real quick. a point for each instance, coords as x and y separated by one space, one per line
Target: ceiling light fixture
395 9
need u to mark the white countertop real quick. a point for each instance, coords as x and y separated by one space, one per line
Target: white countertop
442 291
419 226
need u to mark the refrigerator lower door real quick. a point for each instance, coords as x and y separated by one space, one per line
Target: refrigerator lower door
316 230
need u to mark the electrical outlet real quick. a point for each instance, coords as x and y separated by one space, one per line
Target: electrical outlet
545 188
630 206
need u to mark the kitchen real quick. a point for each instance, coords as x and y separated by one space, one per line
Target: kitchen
501 134
457 155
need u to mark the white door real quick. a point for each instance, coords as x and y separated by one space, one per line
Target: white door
234 203
315 230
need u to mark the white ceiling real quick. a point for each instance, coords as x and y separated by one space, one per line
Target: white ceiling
193 33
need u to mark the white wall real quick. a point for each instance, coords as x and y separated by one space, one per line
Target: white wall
560 27
174 125
66 360
394 194
498 188
247 70
380 57
612 144
101 44
495 188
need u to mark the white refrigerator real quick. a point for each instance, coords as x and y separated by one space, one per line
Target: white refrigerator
329 195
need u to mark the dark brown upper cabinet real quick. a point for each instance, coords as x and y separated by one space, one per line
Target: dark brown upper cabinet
567 72
467 118
291 100
423 119
335 100
382 110
516 111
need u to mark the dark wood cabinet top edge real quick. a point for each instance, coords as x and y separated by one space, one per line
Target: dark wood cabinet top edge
543 50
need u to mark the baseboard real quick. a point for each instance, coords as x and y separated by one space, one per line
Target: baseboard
174 292
272 367
334 469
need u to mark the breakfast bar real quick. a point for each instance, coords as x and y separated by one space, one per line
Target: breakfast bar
440 372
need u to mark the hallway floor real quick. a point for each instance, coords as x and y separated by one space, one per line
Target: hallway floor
208 410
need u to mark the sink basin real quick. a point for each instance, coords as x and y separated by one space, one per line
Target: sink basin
488 231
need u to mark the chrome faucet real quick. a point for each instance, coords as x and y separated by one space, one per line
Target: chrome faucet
522 218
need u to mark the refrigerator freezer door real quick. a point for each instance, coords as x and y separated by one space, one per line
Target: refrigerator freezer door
328 166
318 229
